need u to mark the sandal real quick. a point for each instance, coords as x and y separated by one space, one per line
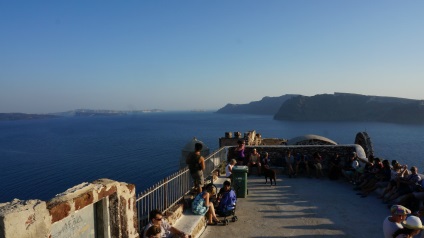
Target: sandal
214 223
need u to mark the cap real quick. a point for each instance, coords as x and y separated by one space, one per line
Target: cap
399 210
413 222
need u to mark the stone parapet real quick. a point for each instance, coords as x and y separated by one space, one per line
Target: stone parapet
104 208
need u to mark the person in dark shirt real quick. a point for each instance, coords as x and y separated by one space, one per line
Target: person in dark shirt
239 151
196 165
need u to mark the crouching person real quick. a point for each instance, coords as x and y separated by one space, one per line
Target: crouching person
166 230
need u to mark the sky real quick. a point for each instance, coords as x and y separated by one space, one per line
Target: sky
57 56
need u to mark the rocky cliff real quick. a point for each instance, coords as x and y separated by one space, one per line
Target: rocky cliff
266 106
352 107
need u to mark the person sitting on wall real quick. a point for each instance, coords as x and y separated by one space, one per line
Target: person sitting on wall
289 161
317 159
406 184
156 219
301 163
229 169
266 162
350 168
381 179
153 232
202 204
335 170
255 161
396 171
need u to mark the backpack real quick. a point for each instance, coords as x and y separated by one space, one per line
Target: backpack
228 201
193 163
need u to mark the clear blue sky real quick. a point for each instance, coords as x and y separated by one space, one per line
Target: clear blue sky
182 55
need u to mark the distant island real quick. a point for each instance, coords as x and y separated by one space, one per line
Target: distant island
337 107
73 113
24 116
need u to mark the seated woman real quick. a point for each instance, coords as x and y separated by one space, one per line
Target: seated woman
202 204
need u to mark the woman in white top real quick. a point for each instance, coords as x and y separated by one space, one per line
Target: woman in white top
229 168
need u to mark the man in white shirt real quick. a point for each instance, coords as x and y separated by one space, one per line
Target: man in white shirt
156 218
393 223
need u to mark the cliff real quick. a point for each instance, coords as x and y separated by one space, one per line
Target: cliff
266 106
352 107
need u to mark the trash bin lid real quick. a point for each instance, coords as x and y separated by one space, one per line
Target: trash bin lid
239 168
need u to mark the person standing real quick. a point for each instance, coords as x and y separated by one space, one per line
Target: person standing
239 151
196 165
394 222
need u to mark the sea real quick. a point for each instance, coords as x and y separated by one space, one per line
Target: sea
42 158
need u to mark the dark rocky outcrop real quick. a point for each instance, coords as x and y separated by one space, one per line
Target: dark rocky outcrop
266 106
352 107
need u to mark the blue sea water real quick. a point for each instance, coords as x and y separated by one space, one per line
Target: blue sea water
41 158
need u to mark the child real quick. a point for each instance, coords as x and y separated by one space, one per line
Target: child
229 169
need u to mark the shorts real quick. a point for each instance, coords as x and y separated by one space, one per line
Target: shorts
198 179
318 166
302 165
419 195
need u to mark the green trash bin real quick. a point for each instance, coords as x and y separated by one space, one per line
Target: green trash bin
240 180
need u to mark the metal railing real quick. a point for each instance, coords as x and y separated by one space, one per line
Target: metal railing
169 191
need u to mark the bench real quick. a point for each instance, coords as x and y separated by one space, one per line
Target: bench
192 224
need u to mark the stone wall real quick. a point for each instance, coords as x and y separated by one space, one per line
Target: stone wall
277 153
104 207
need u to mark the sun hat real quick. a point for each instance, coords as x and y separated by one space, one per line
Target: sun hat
399 210
413 222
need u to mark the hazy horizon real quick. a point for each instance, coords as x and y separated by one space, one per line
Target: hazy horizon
188 55
169 110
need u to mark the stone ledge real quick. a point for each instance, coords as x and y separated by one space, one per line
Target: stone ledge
190 223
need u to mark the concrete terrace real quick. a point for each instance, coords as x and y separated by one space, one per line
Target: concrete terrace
303 207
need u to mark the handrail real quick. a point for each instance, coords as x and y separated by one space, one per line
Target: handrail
169 191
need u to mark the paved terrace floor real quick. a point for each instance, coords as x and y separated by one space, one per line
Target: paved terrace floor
303 207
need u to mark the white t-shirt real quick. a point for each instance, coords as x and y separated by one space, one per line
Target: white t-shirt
227 170
355 164
164 229
390 227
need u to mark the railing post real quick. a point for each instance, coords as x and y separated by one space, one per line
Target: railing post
163 195
166 192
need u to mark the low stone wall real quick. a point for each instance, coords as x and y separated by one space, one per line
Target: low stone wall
104 207
277 153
